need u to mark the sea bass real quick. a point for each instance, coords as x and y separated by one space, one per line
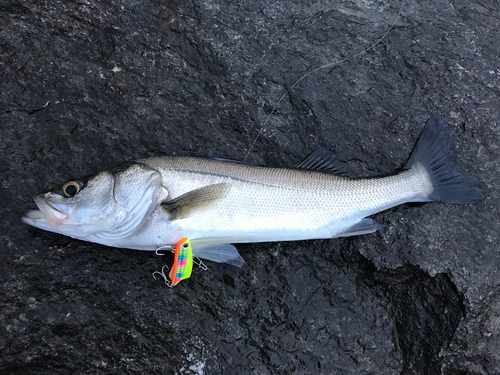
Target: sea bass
152 203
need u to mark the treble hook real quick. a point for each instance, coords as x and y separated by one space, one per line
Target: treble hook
162 274
166 247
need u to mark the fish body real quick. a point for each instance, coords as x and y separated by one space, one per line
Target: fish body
154 202
275 204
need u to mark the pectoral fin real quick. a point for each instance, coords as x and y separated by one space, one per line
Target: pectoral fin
195 200
365 226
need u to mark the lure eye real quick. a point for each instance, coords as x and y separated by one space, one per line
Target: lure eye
185 245
71 188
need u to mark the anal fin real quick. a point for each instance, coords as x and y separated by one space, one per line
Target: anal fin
365 226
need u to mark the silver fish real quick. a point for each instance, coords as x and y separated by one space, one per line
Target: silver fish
152 203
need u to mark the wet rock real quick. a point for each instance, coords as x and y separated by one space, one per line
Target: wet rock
88 85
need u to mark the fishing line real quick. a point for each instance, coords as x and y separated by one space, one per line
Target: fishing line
337 62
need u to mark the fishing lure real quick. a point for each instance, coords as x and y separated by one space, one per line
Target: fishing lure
183 262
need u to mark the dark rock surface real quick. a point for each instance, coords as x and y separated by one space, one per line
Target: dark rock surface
87 85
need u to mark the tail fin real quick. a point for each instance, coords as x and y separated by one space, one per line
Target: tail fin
435 151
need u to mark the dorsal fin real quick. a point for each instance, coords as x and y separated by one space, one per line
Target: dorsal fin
236 161
323 160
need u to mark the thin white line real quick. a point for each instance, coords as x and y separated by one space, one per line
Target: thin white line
319 68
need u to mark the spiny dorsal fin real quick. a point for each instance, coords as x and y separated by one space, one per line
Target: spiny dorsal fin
323 160
237 161
195 200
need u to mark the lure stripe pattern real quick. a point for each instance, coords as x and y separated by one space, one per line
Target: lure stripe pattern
183 261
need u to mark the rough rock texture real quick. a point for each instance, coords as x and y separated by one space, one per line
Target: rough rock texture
86 85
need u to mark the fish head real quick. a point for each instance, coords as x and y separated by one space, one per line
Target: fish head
108 205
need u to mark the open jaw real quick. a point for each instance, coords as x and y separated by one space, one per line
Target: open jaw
47 217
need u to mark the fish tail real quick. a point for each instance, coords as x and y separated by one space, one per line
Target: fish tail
435 151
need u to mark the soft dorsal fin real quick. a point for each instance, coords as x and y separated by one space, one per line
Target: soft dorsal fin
195 200
323 160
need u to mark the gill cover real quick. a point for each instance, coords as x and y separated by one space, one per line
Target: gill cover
135 192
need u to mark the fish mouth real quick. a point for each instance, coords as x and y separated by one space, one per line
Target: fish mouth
46 214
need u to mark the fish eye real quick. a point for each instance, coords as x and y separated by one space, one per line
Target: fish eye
71 188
